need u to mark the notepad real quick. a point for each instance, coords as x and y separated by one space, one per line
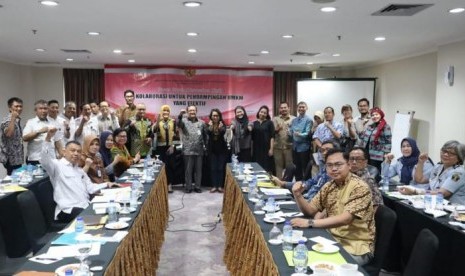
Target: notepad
314 257
266 185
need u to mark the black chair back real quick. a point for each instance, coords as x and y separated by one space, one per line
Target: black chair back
44 196
423 253
33 218
385 220
8 266
289 173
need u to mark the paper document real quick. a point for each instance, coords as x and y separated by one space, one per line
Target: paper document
71 250
269 192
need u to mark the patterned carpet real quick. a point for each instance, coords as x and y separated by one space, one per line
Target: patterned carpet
189 252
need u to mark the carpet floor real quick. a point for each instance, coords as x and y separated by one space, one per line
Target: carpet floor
193 244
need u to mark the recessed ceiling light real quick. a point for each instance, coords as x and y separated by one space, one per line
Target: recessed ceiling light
457 10
265 52
380 38
69 59
117 51
93 33
251 62
192 34
192 4
309 63
192 51
336 55
40 50
328 9
288 36
49 3
131 60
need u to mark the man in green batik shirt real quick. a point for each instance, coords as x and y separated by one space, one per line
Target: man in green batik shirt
139 129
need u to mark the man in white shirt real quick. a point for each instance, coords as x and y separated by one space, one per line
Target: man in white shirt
107 119
71 185
35 131
85 124
70 125
59 123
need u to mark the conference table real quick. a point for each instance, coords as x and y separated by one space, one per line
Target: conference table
247 251
410 221
138 252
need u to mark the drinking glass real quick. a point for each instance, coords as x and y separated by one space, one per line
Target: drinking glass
125 209
83 248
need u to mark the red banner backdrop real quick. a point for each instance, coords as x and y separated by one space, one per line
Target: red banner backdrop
207 88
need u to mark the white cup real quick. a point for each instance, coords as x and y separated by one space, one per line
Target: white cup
322 272
348 269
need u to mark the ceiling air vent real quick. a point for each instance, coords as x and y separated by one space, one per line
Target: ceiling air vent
401 9
304 54
76 51
46 63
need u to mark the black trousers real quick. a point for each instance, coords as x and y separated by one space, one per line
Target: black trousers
10 168
64 217
301 160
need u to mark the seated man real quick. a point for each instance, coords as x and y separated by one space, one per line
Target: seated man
314 184
358 163
71 185
348 204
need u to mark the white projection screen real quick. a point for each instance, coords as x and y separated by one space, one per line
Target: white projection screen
320 93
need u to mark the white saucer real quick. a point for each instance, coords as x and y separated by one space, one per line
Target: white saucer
116 225
254 199
273 220
125 219
265 208
275 242
327 248
259 212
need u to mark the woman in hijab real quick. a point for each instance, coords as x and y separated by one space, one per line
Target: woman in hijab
106 143
405 165
91 162
242 138
376 138
119 148
447 176
165 131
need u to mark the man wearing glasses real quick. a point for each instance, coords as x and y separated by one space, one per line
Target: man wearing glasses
358 163
347 201
314 184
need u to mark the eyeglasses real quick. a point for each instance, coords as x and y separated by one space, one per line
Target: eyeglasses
356 159
323 150
122 136
337 166
448 152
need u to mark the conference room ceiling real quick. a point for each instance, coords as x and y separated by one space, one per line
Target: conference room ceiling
231 33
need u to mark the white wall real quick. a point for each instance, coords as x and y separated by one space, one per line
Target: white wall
30 84
404 85
450 101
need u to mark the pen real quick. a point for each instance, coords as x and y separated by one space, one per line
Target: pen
46 259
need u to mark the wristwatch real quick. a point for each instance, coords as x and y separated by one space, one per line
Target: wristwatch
310 223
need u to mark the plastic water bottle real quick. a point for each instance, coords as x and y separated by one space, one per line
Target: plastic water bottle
252 189
79 226
300 257
439 201
271 205
428 200
275 234
287 236
111 210
385 176
135 185
133 199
